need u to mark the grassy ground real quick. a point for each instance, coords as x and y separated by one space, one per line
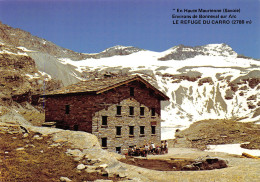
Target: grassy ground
213 132
37 161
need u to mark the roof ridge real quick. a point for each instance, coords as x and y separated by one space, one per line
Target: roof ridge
98 86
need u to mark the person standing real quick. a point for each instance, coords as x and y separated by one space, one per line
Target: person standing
153 147
166 146
146 149
162 147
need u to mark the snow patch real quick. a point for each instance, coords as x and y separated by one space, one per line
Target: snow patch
232 149
36 75
46 75
39 75
25 49
8 52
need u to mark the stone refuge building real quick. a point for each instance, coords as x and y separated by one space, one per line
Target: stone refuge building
120 111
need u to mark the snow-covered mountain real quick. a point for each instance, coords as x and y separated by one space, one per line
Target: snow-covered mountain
212 83
203 82
182 52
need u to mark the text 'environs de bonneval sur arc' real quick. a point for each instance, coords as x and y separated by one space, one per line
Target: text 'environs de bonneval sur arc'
208 16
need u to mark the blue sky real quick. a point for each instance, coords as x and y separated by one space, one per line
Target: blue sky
93 25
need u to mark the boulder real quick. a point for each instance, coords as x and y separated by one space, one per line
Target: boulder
103 166
81 166
37 137
65 179
190 168
75 153
91 169
14 117
207 163
21 148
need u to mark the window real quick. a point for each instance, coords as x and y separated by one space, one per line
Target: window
104 142
118 150
131 110
131 130
104 120
141 130
118 110
151 92
118 130
153 111
153 130
141 111
76 127
132 91
67 109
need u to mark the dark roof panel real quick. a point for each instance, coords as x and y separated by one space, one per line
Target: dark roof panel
98 86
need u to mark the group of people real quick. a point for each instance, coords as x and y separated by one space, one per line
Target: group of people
148 149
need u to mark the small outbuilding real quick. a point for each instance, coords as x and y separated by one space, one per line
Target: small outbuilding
121 111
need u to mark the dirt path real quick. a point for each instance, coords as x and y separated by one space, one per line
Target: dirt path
239 170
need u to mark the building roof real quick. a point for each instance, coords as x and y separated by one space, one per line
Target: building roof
97 86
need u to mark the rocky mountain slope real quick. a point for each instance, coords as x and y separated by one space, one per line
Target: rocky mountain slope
20 79
20 38
206 82
21 82
203 82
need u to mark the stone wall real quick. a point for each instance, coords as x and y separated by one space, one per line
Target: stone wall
124 121
85 108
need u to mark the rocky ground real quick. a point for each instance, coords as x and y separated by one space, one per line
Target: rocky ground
29 153
213 132
32 157
238 170
178 164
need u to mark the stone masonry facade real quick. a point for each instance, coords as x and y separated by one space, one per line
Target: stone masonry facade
120 117
124 130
